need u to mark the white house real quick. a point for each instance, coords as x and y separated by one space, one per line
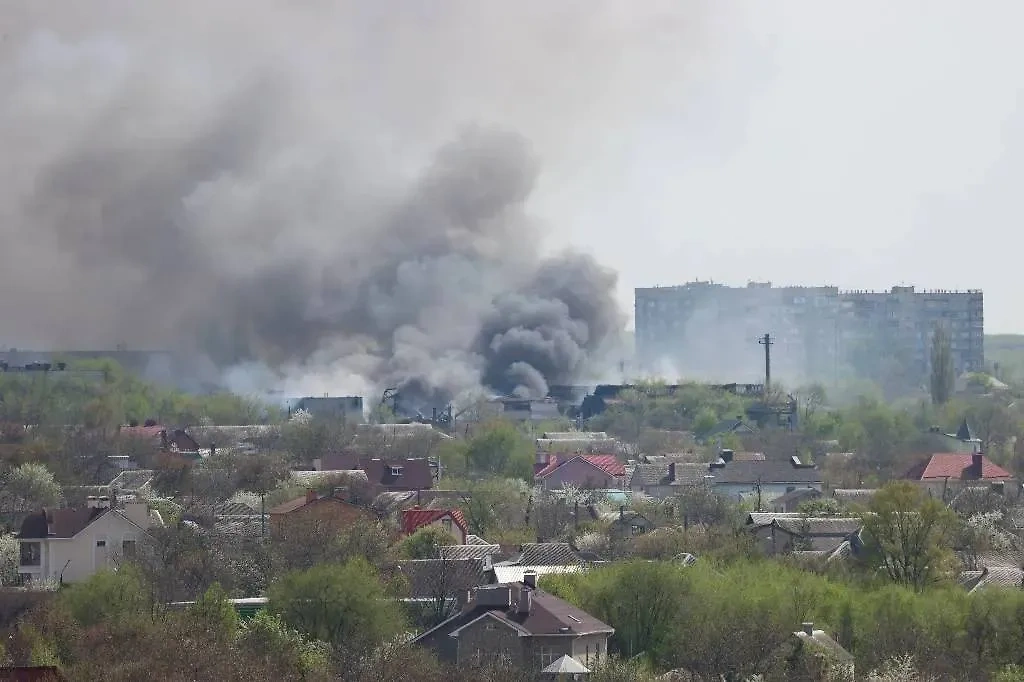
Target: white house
69 545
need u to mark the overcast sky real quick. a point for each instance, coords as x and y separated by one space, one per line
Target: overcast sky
858 144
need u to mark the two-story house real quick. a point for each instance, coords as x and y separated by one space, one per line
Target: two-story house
519 624
72 544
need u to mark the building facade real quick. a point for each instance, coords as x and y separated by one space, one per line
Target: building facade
709 328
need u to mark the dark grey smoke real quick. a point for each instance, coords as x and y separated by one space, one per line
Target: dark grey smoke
269 189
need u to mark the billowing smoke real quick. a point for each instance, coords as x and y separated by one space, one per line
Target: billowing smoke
323 198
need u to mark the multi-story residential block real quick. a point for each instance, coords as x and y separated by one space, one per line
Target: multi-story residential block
706 330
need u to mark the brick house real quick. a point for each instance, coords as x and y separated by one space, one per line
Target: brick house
518 624
590 472
945 474
451 520
331 511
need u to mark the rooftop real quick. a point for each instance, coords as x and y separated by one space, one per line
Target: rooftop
958 466
528 611
609 464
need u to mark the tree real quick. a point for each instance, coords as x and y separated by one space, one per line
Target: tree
909 534
215 614
500 449
9 559
424 543
942 373
265 636
642 600
344 605
107 595
493 505
30 487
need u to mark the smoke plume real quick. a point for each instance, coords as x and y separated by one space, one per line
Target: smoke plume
325 197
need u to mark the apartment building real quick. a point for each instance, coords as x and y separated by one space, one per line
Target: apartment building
709 328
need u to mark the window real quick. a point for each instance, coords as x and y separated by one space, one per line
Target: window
128 548
101 543
545 656
396 471
31 554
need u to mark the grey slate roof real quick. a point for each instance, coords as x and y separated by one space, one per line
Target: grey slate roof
654 474
429 578
132 479
766 518
1012 578
455 552
768 471
223 509
545 554
827 525
854 495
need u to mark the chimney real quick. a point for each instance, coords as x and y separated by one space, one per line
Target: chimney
530 579
311 496
809 629
978 464
163 439
671 472
525 603
726 455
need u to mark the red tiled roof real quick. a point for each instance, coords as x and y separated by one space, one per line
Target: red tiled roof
957 466
414 519
606 463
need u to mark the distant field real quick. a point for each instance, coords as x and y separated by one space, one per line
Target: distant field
1008 351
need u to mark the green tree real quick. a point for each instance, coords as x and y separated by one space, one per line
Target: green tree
9 559
107 595
642 600
215 614
424 543
267 637
502 450
30 487
909 534
942 374
344 605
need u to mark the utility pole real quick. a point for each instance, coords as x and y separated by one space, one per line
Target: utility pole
767 342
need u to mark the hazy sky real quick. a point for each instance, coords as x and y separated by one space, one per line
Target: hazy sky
857 144
803 142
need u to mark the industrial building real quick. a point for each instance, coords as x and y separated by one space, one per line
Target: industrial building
706 327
